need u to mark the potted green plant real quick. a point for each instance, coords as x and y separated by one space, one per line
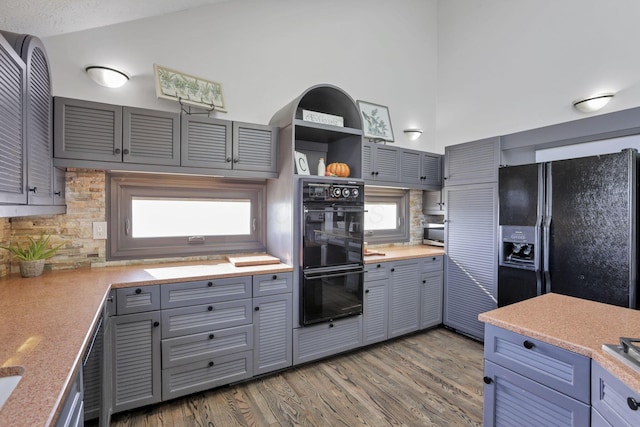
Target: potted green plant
32 256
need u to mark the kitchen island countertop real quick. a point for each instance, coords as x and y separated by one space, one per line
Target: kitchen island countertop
573 324
46 323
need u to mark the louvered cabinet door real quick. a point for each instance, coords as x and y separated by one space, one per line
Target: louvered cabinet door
205 142
387 163
273 333
150 137
136 374
255 147
471 262
87 130
431 169
12 142
472 162
410 162
38 123
404 298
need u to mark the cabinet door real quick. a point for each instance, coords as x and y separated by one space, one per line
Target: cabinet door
375 325
326 339
432 299
471 262
472 162
367 161
431 170
87 130
387 163
12 142
150 137
273 333
205 142
513 400
255 147
404 298
433 202
411 170
59 186
38 123
136 360
614 400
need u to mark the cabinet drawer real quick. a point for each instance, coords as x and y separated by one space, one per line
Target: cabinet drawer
433 263
204 318
612 398
206 374
191 348
204 291
547 364
270 284
325 339
514 400
137 299
376 271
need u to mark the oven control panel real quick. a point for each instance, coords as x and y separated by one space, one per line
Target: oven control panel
332 191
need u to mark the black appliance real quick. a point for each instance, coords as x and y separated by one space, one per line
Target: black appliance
332 266
569 227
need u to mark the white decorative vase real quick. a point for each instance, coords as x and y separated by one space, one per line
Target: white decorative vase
31 268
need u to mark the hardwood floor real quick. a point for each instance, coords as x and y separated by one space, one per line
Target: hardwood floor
431 378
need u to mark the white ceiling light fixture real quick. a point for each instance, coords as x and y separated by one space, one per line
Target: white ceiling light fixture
413 134
593 103
107 76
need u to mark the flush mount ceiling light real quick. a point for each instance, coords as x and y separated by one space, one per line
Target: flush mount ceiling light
413 134
106 76
593 103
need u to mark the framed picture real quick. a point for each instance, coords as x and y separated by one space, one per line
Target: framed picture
188 89
302 166
376 123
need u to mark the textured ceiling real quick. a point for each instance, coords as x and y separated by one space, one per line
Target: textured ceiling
44 18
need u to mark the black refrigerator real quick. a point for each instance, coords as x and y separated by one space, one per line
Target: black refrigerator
570 227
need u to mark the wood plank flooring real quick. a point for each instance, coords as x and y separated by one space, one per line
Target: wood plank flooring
431 378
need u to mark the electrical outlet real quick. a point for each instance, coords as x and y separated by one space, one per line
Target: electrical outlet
100 230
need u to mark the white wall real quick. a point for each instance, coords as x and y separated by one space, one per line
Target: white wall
267 52
511 65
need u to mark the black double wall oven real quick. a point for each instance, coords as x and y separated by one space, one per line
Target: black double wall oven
332 267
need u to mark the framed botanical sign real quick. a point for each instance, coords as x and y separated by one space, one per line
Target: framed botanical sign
188 89
376 123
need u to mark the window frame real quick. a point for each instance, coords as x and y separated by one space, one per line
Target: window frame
123 187
399 196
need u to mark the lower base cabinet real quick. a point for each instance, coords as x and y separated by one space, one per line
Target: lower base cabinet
325 339
72 412
273 333
614 404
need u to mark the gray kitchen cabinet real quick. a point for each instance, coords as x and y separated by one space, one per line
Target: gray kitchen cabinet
205 317
136 375
271 284
72 412
93 131
12 142
404 297
433 202
92 372
273 333
472 162
432 289
197 292
326 339
613 402
526 379
137 299
221 144
59 186
87 130
380 163
375 326
417 167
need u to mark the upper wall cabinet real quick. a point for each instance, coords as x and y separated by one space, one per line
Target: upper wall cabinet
420 168
473 162
102 132
12 142
26 172
380 162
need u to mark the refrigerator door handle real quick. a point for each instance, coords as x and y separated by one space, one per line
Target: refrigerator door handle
546 234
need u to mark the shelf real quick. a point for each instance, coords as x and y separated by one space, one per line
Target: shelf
319 132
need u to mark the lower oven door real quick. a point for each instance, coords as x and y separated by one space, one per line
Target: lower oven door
331 294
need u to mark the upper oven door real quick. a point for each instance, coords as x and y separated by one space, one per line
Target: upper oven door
332 234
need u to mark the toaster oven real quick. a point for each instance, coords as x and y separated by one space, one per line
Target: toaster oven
433 234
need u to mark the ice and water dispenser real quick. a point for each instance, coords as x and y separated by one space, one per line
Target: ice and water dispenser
519 247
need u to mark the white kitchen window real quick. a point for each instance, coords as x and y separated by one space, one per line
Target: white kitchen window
161 216
386 215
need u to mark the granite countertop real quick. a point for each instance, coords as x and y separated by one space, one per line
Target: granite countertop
403 252
574 324
46 324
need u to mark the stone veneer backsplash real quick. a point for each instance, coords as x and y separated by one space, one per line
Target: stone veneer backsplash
86 203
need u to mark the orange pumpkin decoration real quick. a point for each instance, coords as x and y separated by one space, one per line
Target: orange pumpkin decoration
338 169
